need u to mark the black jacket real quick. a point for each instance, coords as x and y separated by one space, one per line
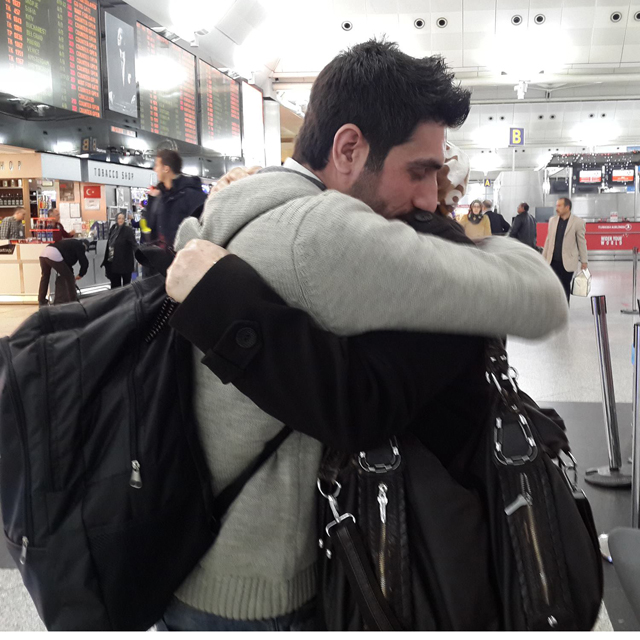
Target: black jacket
73 251
185 198
124 249
524 229
349 393
499 226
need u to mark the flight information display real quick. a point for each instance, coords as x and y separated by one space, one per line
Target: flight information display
166 76
252 126
49 52
220 115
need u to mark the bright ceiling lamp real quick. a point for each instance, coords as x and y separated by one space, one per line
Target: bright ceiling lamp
159 73
486 162
191 16
596 133
527 56
491 136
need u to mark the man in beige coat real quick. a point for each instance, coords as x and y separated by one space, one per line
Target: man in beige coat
565 248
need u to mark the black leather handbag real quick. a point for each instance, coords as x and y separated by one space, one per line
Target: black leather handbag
501 539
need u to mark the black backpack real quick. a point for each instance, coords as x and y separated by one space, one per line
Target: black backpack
106 496
500 539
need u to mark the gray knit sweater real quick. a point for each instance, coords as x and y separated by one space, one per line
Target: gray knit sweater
353 271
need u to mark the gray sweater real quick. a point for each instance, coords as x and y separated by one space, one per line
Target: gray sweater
353 271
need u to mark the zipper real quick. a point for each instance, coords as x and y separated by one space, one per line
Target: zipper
383 501
22 432
525 499
169 305
47 430
135 481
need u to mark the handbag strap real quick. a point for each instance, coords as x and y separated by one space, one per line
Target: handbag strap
375 609
227 496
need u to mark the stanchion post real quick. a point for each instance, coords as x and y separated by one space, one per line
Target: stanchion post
635 484
614 475
634 309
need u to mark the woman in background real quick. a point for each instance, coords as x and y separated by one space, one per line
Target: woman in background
118 257
475 224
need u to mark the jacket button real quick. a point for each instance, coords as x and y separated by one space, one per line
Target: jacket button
247 338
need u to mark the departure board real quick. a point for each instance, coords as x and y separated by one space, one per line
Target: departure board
166 76
49 52
220 115
252 126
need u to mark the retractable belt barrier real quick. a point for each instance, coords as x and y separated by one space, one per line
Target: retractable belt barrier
635 305
616 474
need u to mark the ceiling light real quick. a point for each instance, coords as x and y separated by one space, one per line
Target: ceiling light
596 133
486 162
189 16
64 146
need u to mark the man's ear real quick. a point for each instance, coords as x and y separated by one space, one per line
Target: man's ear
350 151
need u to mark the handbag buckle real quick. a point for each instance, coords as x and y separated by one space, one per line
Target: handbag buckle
333 505
517 459
381 467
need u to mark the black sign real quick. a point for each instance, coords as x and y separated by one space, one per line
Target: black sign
49 53
166 76
7 249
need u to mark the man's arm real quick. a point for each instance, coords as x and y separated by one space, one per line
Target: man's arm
582 244
347 262
349 393
505 225
515 229
84 262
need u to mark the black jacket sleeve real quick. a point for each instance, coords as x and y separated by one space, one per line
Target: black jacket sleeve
82 259
349 393
504 224
516 228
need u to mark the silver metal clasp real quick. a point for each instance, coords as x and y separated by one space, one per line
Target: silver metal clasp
381 467
333 505
515 460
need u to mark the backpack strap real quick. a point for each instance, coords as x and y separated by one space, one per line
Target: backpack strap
227 496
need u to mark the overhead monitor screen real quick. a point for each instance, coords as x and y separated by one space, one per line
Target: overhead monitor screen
49 53
166 76
121 66
252 126
591 176
622 176
220 115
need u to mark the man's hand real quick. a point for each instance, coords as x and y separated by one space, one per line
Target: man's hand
584 266
237 173
78 278
190 266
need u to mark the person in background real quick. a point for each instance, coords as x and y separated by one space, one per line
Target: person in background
565 248
12 227
62 256
475 224
180 197
118 256
499 226
524 226
55 215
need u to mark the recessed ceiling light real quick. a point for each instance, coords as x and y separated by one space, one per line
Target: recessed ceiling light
347 26
419 23
516 20
442 23
539 19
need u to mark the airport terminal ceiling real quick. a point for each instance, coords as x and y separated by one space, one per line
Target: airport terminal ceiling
568 71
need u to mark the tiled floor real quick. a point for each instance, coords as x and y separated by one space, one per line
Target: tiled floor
562 371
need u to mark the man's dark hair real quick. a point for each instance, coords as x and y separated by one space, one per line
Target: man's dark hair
385 93
567 203
525 206
170 159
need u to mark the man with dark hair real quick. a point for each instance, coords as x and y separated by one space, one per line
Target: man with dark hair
180 197
12 227
499 226
524 226
372 143
565 248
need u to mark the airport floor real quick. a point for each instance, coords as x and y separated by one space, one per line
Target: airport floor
561 371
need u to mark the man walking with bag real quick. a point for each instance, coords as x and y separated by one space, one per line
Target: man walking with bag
566 248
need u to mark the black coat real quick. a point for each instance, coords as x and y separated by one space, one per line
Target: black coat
125 247
349 393
525 229
72 252
499 226
185 198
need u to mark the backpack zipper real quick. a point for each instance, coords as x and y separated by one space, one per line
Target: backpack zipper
19 408
135 480
169 305
525 499
383 501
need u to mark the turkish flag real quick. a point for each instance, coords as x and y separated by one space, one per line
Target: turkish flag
92 192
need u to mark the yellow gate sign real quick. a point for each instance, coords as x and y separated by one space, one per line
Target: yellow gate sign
516 137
